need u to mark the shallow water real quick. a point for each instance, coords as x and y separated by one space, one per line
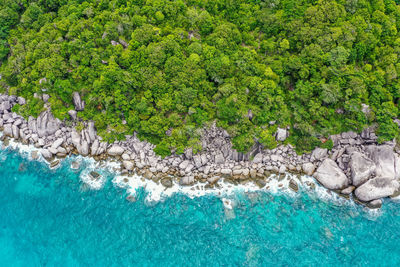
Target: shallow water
49 218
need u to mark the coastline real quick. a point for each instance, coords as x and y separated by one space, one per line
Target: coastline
341 169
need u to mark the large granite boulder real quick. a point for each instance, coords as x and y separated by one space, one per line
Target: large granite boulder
361 168
377 188
47 124
386 161
331 176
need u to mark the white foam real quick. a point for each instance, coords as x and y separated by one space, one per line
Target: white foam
157 192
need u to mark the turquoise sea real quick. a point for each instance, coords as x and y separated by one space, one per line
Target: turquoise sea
48 218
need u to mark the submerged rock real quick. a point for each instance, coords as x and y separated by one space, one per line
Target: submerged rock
377 188
94 175
54 163
331 176
167 182
75 165
293 185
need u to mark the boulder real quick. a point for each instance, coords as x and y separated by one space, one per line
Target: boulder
385 160
187 180
319 153
83 149
361 168
57 143
128 165
91 131
47 124
46 154
78 103
376 188
72 113
21 101
75 138
331 176
281 134
15 131
184 164
94 148
219 159
8 130
258 158
115 150
308 168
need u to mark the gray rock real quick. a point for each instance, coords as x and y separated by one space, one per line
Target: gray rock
115 150
75 138
308 168
72 113
15 131
219 159
348 190
128 165
331 176
75 165
46 154
47 124
384 159
21 101
319 153
187 180
258 158
376 188
83 149
226 171
375 204
197 161
184 164
45 98
57 143
282 169
8 130
91 131
361 168
94 148
5 105
281 134
78 103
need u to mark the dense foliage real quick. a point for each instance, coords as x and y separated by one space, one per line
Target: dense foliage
165 68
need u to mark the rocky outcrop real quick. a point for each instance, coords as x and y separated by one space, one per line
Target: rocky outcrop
354 163
331 176
377 188
361 168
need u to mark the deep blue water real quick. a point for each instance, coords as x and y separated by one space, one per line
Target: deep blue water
47 218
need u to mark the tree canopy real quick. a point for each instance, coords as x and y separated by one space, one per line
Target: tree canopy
167 68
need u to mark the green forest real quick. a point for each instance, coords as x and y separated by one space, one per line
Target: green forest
166 69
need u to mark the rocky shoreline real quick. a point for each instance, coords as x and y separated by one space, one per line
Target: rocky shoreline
355 167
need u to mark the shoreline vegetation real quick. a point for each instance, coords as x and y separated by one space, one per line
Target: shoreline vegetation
167 69
356 167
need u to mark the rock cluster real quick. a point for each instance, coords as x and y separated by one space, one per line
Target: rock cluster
356 164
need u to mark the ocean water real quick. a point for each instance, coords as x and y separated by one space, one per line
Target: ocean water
50 218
